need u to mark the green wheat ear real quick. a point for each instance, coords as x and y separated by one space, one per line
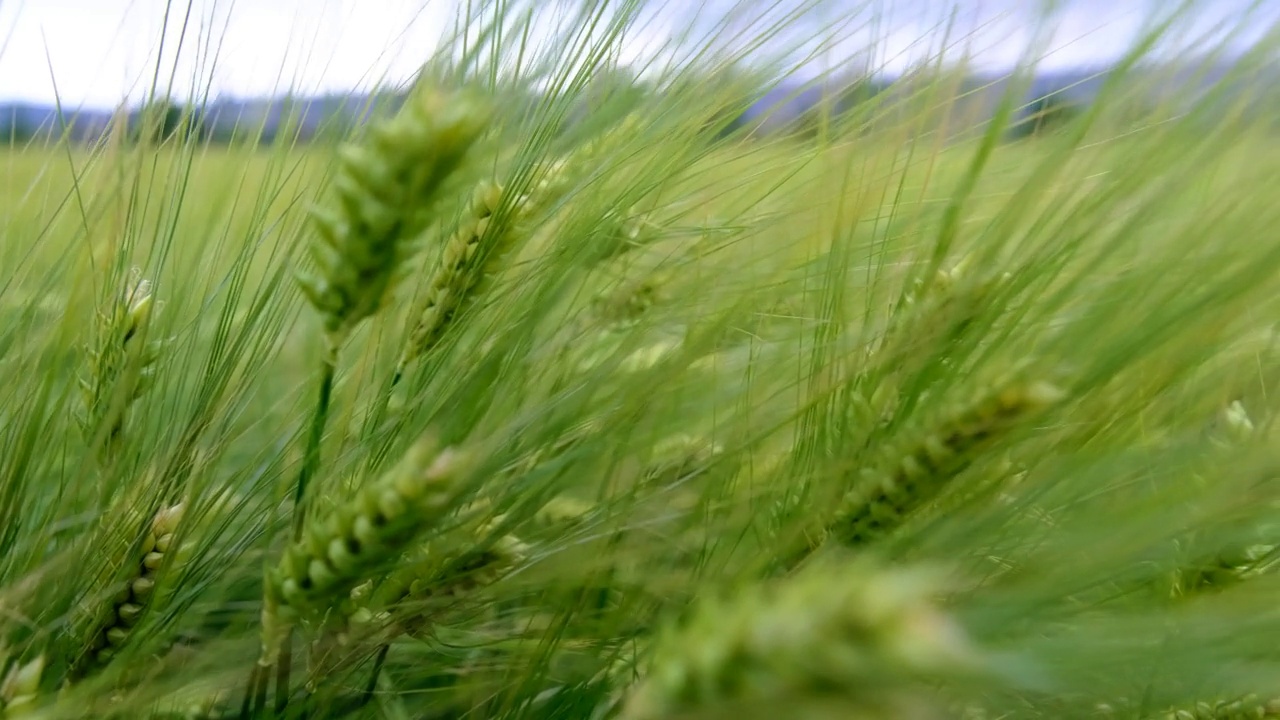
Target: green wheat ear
426 584
906 475
159 547
335 554
121 359
1234 427
21 688
1245 708
857 635
385 188
473 250
624 304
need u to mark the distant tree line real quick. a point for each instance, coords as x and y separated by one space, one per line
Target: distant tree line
745 109
167 121
1045 115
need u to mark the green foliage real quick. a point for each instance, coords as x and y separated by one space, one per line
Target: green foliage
924 425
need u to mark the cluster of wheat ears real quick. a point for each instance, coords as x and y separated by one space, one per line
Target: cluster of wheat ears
1031 483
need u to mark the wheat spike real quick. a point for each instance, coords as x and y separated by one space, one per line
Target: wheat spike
1229 567
21 688
1249 707
338 553
121 359
159 547
471 252
1241 561
627 302
1233 427
564 511
385 191
905 476
856 634
425 584
619 233
933 317
910 475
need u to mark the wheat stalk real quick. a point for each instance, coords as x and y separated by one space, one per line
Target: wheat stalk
386 191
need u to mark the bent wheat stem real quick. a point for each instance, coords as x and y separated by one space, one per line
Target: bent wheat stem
315 435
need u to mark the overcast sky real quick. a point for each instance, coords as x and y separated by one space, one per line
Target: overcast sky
96 52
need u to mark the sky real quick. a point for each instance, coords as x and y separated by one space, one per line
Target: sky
97 53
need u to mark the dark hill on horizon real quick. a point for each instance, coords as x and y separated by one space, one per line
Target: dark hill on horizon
334 115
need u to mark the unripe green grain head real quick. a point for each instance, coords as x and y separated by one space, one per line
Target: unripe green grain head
385 190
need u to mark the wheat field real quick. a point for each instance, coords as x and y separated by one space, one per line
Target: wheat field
488 412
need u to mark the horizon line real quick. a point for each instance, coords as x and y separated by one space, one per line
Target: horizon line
1095 68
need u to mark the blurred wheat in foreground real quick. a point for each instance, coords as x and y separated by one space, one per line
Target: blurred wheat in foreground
552 392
